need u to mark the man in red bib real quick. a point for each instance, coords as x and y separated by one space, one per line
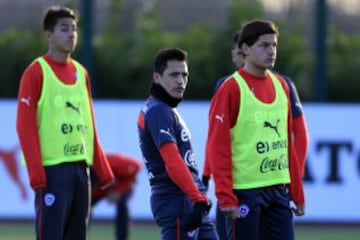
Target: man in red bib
56 129
250 147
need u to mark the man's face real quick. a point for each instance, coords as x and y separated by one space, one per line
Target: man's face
174 78
262 54
64 36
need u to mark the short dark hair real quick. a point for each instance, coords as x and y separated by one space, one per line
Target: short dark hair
53 14
236 39
252 30
164 55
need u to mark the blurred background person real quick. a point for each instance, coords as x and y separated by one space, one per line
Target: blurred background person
237 58
125 169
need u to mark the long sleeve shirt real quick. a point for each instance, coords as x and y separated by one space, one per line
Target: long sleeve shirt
27 123
226 102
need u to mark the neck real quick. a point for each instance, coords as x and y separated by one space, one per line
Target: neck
255 70
159 92
58 56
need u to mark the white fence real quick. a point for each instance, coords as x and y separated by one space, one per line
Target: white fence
333 166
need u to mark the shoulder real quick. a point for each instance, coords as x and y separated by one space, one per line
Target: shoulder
220 81
154 107
228 92
34 65
230 86
78 65
33 70
288 81
290 84
284 78
229 83
283 81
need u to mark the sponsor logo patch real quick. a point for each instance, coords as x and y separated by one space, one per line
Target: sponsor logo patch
73 107
25 100
220 117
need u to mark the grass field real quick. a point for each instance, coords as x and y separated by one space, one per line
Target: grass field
148 231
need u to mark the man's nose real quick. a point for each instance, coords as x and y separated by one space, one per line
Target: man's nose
180 80
272 50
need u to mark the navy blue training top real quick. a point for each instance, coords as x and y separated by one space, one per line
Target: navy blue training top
164 124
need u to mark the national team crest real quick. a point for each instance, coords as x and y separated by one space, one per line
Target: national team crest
243 210
49 199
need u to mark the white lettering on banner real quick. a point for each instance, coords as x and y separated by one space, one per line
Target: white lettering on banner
334 150
332 175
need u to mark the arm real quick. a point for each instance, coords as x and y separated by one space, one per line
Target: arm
299 128
179 172
206 173
206 170
101 165
301 140
295 187
27 125
125 169
222 116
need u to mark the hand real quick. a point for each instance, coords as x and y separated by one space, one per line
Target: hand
39 190
230 212
194 219
206 181
113 196
298 210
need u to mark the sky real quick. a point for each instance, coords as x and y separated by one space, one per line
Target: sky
348 6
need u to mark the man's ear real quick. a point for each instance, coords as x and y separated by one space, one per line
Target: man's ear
245 49
47 35
156 77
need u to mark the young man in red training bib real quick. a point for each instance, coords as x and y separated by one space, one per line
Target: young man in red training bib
250 146
299 129
56 129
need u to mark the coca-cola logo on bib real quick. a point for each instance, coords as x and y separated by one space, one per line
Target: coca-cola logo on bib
268 164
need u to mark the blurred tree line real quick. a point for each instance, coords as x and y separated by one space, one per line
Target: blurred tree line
123 61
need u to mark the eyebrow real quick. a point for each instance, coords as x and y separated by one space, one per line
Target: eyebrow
179 73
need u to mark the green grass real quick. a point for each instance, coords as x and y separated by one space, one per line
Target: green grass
138 231
141 231
98 230
327 232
